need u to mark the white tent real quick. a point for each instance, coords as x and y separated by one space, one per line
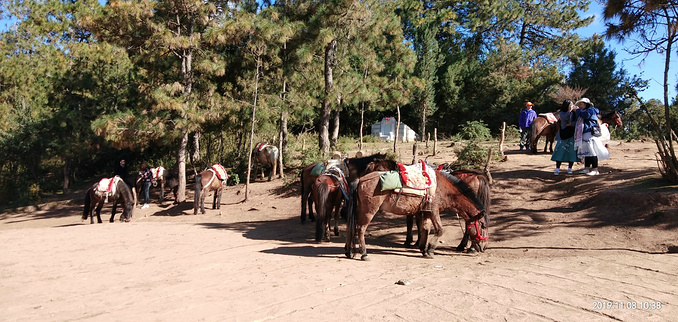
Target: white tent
385 129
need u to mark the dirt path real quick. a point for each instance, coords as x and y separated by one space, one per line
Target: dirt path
562 248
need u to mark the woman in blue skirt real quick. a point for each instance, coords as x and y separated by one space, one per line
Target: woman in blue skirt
565 151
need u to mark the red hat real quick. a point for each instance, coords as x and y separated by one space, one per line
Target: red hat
528 104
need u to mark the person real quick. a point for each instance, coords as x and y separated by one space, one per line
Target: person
121 171
146 177
589 147
526 117
565 151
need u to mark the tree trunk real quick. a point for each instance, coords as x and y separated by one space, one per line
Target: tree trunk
335 129
196 147
395 142
254 113
362 124
323 137
67 174
282 142
422 127
181 166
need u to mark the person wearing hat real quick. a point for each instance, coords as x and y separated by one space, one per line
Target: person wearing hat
526 117
589 147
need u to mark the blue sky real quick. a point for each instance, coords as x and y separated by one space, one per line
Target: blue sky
651 68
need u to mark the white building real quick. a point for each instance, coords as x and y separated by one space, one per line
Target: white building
385 129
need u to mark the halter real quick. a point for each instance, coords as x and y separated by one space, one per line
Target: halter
478 236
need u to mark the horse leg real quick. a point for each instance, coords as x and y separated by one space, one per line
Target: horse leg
408 239
273 171
203 192
162 190
98 213
115 206
362 249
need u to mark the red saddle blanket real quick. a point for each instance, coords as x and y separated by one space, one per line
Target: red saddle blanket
107 185
417 176
220 171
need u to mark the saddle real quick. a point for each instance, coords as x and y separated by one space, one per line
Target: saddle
549 117
414 180
260 146
219 171
337 172
107 187
157 172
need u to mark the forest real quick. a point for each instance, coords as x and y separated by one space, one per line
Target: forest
189 83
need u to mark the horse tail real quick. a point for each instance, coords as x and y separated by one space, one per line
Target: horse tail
352 217
88 204
322 191
196 198
534 134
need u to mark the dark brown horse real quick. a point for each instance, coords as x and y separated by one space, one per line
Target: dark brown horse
118 192
368 198
328 193
356 168
541 127
207 181
476 187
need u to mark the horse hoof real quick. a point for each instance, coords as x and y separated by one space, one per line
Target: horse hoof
471 250
364 258
428 255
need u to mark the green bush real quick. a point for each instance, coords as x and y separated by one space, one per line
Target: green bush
475 130
471 156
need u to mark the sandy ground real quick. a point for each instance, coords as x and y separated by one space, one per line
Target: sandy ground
568 247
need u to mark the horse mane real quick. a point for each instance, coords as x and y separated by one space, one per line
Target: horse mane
608 114
466 190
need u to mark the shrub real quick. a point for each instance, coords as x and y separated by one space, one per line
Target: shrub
475 130
471 156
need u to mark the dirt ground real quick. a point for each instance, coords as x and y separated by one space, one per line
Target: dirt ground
568 247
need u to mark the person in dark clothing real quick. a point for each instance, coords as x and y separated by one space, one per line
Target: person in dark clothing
121 171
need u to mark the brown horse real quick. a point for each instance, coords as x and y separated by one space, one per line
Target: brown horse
96 199
356 168
328 195
207 181
368 199
476 187
264 155
541 127
611 118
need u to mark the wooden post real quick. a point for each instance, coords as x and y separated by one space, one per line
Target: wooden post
501 142
435 141
428 138
487 166
414 153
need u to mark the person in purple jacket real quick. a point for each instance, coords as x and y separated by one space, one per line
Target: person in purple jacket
526 117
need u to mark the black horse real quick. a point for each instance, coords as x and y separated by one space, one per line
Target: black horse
117 192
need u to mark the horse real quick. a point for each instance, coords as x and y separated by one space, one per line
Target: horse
612 117
368 198
160 177
119 194
328 191
206 181
265 155
541 127
356 168
476 187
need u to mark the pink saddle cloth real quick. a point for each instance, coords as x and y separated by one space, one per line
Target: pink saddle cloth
107 185
549 117
417 176
157 172
220 171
